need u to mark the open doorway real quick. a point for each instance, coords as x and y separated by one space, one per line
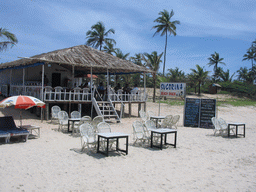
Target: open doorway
56 79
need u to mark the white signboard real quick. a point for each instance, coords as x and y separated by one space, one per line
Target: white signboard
172 89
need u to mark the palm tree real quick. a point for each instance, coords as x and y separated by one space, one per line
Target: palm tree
225 76
153 62
165 26
137 59
9 39
109 48
97 36
121 55
199 75
244 75
251 55
215 60
176 75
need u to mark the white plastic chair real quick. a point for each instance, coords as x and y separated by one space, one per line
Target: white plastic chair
149 125
224 126
143 115
48 93
139 132
77 93
167 122
104 127
63 119
88 136
75 114
175 120
57 93
55 110
85 94
96 120
84 119
216 125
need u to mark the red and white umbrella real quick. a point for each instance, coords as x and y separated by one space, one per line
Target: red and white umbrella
21 102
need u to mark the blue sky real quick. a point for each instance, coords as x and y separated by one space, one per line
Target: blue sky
225 26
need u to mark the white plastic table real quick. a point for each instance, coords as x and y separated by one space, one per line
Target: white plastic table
163 131
73 120
236 125
116 136
157 118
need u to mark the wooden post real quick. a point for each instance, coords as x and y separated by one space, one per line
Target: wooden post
130 109
139 108
47 111
145 107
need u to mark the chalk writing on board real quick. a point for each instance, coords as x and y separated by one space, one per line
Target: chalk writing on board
192 108
198 112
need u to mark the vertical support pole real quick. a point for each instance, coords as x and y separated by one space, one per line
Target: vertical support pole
130 109
42 94
107 84
139 108
47 111
80 108
73 76
10 93
92 93
145 86
23 81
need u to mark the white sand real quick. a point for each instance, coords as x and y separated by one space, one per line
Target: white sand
201 161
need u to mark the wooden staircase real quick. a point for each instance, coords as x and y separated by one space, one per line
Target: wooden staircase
106 109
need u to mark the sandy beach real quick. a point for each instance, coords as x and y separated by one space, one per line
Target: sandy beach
201 161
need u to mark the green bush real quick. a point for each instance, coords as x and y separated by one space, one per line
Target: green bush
239 88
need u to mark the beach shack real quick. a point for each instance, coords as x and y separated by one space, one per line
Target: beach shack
214 88
52 78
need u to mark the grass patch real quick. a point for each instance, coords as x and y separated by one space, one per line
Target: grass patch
173 102
236 102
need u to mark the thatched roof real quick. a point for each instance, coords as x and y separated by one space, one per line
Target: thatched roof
83 58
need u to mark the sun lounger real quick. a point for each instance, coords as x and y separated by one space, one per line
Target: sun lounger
6 135
7 124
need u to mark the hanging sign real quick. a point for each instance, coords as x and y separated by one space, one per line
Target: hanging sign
172 89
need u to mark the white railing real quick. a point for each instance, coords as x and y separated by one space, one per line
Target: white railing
128 97
66 96
34 91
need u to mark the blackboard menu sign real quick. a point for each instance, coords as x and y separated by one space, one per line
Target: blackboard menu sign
192 108
208 109
198 112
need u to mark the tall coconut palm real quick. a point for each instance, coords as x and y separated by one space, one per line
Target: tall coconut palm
121 55
165 26
215 60
109 48
199 75
225 76
176 75
9 39
250 55
244 75
97 36
137 59
153 62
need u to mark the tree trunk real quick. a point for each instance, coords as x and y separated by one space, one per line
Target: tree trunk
199 91
165 53
154 92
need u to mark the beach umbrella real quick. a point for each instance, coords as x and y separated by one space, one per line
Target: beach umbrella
21 102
